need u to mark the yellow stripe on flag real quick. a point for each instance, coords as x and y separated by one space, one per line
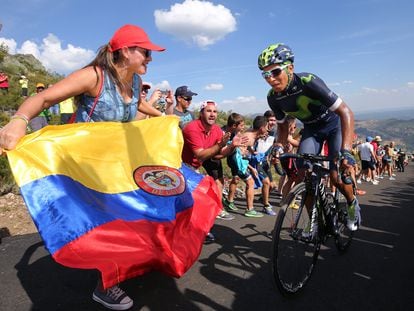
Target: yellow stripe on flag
83 147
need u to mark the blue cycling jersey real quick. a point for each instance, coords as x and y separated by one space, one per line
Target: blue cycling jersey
307 98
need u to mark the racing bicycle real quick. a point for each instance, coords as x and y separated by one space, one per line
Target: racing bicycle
299 233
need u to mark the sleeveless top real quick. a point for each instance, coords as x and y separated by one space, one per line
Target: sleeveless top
110 105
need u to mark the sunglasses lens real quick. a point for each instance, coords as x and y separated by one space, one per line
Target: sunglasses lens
148 53
272 73
188 98
276 72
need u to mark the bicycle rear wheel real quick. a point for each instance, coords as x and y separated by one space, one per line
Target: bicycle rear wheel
344 237
293 257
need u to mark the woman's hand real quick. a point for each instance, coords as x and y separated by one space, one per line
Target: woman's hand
11 133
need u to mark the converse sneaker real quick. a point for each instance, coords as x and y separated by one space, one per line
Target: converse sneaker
113 298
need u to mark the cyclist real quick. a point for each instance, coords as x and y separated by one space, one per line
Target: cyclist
324 114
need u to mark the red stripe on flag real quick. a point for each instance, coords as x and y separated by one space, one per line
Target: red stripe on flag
123 250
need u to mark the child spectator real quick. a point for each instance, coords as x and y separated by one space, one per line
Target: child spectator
240 168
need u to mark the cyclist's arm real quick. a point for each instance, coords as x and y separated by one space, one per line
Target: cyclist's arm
347 125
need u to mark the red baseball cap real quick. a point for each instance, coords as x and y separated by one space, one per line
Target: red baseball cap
131 35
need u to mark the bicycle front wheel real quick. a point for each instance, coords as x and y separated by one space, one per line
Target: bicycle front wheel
293 256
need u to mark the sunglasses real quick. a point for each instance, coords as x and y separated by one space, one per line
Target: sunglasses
274 73
146 52
187 99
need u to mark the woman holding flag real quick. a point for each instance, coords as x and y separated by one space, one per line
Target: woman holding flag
107 89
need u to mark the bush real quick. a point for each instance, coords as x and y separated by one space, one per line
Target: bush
7 183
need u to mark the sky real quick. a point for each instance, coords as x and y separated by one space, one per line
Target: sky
362 49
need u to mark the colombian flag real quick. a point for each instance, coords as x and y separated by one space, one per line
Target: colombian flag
116 197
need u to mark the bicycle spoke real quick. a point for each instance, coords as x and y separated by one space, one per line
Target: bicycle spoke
344 238
293 256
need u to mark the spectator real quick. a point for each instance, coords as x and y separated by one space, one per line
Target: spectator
266 142
401 160
205 145
154 99
67 108
368 160
183 97
54 109
387 161
4 83
379 152
257 159
289 165
271 122
44 116
393 152
24 84
108 90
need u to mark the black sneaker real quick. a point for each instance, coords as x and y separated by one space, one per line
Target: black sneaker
209 238
113 298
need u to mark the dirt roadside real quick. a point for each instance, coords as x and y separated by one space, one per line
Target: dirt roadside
14 217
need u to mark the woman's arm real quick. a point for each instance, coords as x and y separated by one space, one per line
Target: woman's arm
85 80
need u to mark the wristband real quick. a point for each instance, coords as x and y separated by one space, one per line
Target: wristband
20 117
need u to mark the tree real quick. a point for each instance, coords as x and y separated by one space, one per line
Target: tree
4 50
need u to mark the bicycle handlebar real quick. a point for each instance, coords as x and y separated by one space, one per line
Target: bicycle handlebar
307 156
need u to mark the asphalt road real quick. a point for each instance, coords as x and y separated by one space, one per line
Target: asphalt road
376 273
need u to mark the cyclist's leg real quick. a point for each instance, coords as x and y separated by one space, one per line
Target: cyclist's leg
334 141
346 187
310 143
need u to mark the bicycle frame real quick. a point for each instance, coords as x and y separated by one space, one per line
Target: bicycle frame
295 248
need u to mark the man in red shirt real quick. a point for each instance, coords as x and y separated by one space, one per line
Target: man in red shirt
205 145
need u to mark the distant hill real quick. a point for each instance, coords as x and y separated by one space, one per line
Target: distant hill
398 130
402 113
15 66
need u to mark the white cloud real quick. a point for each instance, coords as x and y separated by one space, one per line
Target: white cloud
52 55
370 90
214 87
244 105
193 21
410 84
29 47
163 85
10 43
339 83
